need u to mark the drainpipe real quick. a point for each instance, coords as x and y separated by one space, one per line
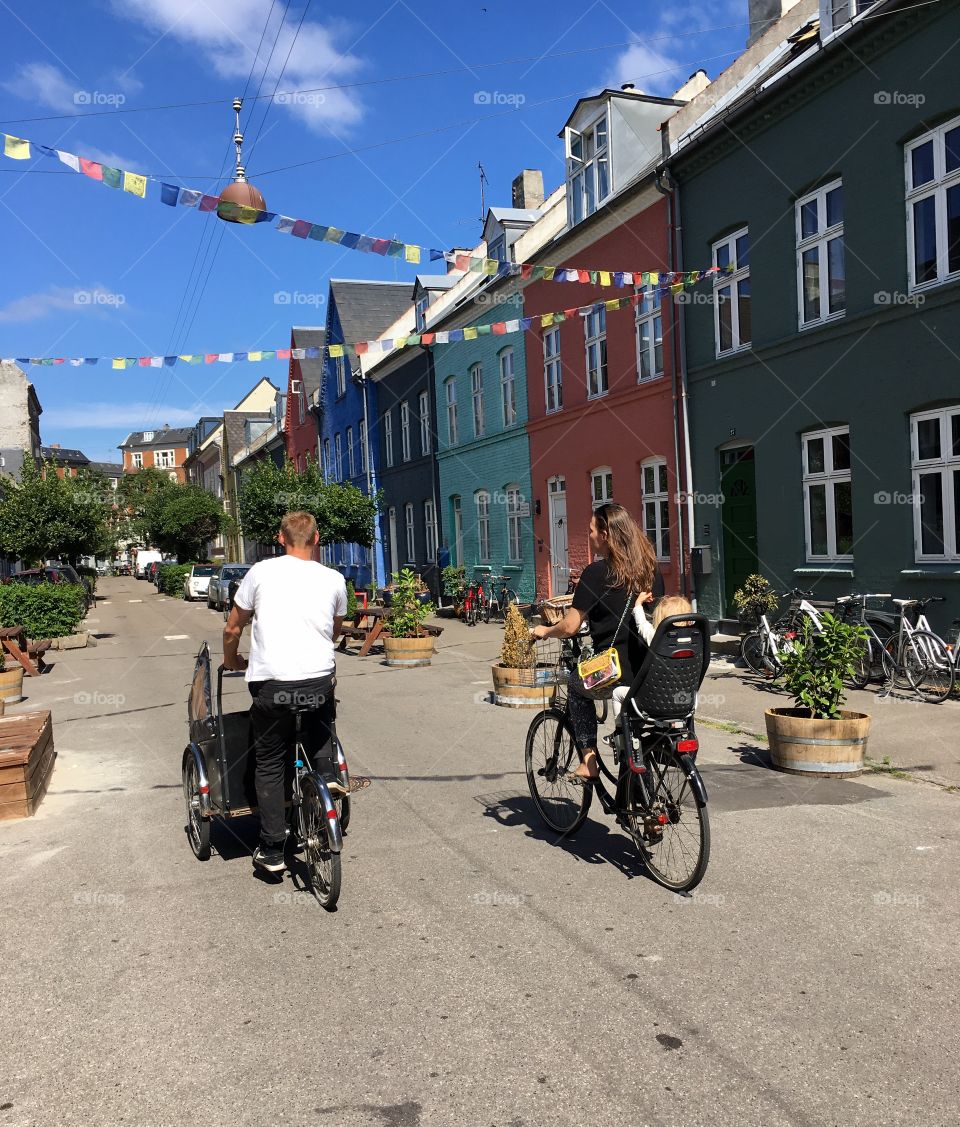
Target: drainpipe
679 400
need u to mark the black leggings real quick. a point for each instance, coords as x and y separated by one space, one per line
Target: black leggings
583 713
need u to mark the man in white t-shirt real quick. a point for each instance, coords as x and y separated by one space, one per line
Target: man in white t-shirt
297 606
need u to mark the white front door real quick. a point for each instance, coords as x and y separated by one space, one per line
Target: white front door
559 560
394 555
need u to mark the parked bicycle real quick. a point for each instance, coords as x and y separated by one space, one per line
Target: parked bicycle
658 796
473 598
499 596
763 648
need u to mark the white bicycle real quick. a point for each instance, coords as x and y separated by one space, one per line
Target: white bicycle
762 649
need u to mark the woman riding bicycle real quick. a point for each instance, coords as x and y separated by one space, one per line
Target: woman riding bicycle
626 569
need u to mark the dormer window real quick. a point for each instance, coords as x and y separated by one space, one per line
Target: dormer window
588 169
421 311
498 248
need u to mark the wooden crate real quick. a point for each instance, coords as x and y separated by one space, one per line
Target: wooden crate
26 762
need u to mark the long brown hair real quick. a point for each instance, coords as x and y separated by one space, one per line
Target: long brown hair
631 558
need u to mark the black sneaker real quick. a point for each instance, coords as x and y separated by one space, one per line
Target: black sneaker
269 858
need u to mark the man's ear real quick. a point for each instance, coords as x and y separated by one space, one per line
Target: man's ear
281 540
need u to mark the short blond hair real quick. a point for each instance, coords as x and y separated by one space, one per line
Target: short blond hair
672 604
298 529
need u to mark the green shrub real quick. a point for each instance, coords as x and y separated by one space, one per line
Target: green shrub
817 662
407 614
44 610
89 576
351 600
170 579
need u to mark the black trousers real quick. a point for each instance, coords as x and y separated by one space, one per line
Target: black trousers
273 720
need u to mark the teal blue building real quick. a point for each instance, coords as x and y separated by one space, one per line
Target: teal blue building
480 380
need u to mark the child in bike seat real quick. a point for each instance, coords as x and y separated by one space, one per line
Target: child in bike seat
670 605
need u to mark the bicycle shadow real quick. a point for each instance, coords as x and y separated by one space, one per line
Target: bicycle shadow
595 842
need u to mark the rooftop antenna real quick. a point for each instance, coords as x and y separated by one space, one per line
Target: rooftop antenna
483 198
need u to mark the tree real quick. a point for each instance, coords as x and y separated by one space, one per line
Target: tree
181 518
45 517
344 513
134 493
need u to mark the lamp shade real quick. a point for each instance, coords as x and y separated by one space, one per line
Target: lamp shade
241 194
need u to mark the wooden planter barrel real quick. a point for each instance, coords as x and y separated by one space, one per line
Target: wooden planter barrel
826 749
26 763
408 652
514 688
11 684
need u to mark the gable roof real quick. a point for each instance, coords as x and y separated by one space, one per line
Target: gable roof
162 436
63 454
108 469
367 308
233 425
311 371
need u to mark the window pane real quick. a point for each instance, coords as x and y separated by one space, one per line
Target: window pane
658 344
743 251
662 469
815 455
723 255
811 284
724 315
590 202
603 180
650 520
843 518
808 219
601 133
956 510
953 228
835 206
955 435
836 275
921 164
925 239
818 520
928 439
645 372
931 514
664 528
743 291
576 193
648 480
952 145
841 451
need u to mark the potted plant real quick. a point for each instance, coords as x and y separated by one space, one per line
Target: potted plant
817 736
421 590
406 643
11 683
518 681
754 599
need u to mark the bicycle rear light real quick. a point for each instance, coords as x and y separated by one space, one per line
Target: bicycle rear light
688 747
682 653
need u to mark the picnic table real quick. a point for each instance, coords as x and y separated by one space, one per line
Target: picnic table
14 642
367 626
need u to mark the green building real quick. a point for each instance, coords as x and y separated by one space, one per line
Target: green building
823 362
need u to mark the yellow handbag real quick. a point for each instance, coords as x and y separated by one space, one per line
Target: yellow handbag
601 673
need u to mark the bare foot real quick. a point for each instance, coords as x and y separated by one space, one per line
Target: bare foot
588 767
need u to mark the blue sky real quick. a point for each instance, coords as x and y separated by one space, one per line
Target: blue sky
157 280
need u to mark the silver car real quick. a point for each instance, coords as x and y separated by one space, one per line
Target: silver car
219 590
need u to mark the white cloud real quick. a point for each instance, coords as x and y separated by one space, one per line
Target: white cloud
59 299
123 416
651 69
229 31
107 157
45 84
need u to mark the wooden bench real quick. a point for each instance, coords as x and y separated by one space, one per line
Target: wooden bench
27 757
14 641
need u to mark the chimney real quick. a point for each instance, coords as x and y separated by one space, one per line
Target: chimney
528 189
54 445
627 86
764 14
695 84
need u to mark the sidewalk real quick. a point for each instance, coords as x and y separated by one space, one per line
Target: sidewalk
923 739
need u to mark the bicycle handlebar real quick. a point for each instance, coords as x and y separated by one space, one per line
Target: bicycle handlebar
861 598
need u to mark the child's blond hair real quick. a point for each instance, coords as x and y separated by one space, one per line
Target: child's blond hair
671 604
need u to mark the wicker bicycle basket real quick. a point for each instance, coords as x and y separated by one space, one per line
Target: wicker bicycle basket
552 610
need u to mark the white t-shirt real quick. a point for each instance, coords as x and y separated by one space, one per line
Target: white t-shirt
294 603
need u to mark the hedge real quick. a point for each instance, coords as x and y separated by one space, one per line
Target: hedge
89 575
44 610
170 579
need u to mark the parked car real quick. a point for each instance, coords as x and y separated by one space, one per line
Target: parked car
121 568
59 573
218 593
145 557
162 563
197 581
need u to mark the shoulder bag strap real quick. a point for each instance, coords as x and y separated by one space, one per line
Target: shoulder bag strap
627 607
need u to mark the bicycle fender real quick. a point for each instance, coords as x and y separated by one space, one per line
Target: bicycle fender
697 784
333 823
203 782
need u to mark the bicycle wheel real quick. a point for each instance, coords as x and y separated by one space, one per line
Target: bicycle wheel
198 827
549 756
323 865
671 832
928 667
343 775
753 650
470 613
486 610
893 668
862 672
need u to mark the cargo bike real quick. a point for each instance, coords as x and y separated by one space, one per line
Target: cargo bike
218 782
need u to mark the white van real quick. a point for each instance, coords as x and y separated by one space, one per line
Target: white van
144 557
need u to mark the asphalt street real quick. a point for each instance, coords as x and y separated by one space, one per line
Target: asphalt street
476 972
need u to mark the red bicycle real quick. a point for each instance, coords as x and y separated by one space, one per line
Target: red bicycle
473 602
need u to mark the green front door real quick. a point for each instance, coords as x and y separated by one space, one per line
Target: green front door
738 484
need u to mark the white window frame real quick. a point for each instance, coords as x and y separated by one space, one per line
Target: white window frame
338 455
514 524
732 280
508 388
584 173
137 459
658 533
830 478
476 400
388 437
450 388
948 465
340 367
405 431
328 464
820 241
301 401
937 188
601 477
552 372
362 431
595 345
411 532
165 459
481 500
351 457
649 320
423 401
430 530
